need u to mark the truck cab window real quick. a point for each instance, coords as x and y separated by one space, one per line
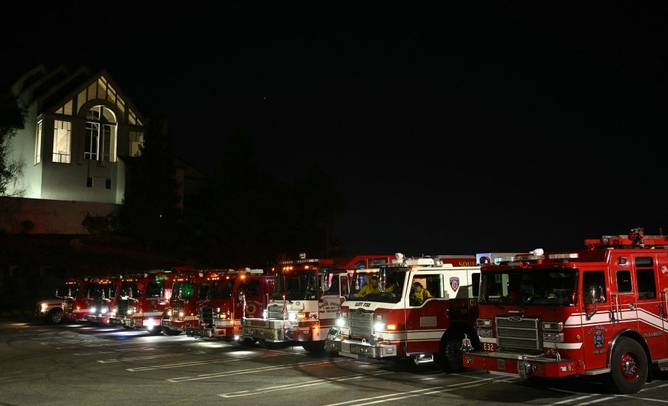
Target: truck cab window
646 285
594 282
424 288
624 282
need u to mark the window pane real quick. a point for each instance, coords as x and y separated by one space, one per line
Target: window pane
62 133
594 280
108 115
136 141
644 261
646 286
91 141
624 281
425 287
475 282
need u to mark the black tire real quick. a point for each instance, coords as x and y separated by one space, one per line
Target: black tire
170 332
451 356
628 366
314 347
55 316
155 331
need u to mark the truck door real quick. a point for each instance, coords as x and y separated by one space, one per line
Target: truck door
596 325
649 307
426 320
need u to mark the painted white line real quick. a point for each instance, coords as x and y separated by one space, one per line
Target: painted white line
643 399
181 365
245 371
291 386
596 401
653 387
569 400
348 402
420 392
144 357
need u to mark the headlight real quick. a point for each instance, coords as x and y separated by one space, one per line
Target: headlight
553 326
130 311
92 310
265 314
483 323
103 310
181 314
485 332
114 310
169 313
292 316
378 326
553 337
340 322
149 324
43 307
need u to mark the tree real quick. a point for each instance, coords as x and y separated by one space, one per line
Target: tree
149 211
11 119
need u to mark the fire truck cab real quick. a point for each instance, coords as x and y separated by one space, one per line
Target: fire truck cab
305 301
68 303
142 300
600 311
103 298
227 297
420 308
181 313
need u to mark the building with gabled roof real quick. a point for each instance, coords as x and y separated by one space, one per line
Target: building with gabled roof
79 126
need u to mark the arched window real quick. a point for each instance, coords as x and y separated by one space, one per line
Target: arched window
100 143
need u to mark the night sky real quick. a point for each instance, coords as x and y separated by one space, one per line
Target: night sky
484 128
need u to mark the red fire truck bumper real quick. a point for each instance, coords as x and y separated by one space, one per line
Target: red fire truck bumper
523 365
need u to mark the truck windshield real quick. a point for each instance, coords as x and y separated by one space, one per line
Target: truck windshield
358 280
385 286
128 289
533 287
68 290
221 289
183 290
302 285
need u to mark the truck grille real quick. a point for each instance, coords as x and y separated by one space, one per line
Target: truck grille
361 324
518 333
122 307
206 315
275 312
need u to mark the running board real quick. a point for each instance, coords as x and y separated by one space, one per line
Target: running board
598 371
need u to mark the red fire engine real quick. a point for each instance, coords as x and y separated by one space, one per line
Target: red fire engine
142 300
592 312
395 317
306 299
103 298
70 303
182 312
227 297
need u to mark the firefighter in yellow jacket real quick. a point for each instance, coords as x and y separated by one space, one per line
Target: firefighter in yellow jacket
370 288
420 294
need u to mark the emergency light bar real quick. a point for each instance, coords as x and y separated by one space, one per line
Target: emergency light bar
572 255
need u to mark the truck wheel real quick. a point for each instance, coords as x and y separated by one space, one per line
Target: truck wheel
155 331
628 366
55 316
314 347
451 357
170 332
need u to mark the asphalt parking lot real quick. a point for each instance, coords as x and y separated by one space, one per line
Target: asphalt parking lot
83 364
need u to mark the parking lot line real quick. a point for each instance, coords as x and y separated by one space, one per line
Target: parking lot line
140 358
643 399
182 365
306 384
596 401
244 371
420 392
